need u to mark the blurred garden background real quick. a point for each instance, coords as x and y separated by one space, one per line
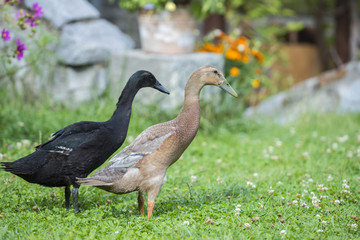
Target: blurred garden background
291 138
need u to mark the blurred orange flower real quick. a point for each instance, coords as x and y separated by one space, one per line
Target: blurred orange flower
255 83
208 47
234 71
258 55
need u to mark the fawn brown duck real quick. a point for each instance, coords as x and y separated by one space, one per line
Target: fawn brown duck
142 165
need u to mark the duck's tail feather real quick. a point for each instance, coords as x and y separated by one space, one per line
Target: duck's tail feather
92 182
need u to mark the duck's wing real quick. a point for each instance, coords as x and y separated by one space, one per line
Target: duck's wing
69 138
146 143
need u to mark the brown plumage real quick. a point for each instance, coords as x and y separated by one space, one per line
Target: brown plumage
142 165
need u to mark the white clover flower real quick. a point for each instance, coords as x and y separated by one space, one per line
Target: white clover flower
274 157
330 178
271 191
193 178
335 146
295 202
328 150
219 180
311 180
237 209
186 223
247 225
323 223
278 143
349 154
319 231
18 145
318 216
271 149
248 183
116 232
354 227
282 233
337 202
255 174
343 138
345 185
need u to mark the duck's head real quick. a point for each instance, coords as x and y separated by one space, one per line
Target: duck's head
209 75
147 79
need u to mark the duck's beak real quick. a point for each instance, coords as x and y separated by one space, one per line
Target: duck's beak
160 87
227 88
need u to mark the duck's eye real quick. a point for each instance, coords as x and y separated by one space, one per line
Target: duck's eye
215 71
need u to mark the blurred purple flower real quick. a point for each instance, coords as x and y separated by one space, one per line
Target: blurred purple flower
149 6
5 34
21 47
38 13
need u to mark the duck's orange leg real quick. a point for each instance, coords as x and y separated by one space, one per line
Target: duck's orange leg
150 208
141 202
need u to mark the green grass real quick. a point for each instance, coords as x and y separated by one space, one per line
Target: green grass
293 161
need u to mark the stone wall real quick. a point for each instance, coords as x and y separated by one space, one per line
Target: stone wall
92 55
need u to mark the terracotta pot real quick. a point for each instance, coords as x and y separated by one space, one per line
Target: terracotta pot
167 32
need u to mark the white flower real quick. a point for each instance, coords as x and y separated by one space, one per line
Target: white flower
349 154
282 233
193 178
237 209
271 191
311 180
279 183
247 225
116 232
278 143
18 145
241 47
345 185
328 150
337 202
1 156
330 178
271 149
295 202
248 183
318 216
186 223
354 227
334 145
323 138
274 157
314 134
219 179
323 223
255 174
319 231
343 138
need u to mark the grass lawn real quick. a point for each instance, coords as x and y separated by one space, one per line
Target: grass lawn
257 181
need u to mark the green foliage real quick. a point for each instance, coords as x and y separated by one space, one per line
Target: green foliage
288 165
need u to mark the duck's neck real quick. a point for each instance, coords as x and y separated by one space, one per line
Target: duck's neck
189 116
122 113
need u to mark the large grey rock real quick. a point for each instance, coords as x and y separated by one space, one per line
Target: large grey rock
75 85
60 12
325 93
84 43
172 71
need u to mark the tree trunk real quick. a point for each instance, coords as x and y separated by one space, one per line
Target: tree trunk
343 20
214 21
320 35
